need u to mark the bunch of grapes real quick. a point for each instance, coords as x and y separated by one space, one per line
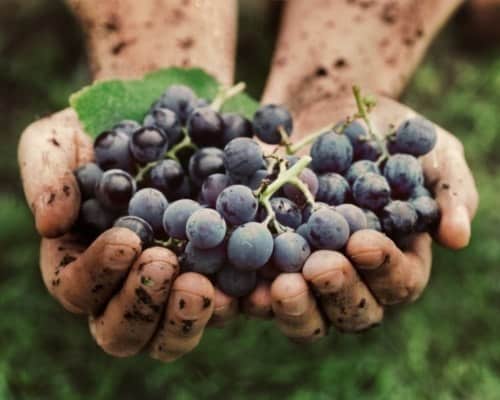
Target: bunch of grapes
194 180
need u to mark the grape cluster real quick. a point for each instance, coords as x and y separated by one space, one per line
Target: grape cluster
195 180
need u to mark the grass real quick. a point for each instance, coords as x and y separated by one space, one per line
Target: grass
444 347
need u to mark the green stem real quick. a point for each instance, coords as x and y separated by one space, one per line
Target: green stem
363 113
304 189
226 94
286 177
143 170
184 143
308 139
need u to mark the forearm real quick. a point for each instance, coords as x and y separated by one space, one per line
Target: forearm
127 38
326 47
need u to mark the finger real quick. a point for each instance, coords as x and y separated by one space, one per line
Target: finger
49 151
131 317
258 304
345 299
225 309
189 308
295 309
392 275
455 191
85 282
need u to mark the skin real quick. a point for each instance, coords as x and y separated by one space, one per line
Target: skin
126 291
354 290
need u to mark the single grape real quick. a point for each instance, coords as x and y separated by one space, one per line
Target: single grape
354 216
268 120
371 191
243 157
372 221
328 230
237 204
427 211
205 127
205 162
398 218
115 189
137 225
309 209
250 246
364 148
416 136
290 252
234 282
303 230
420 191
127 126
111 150
166 176
168 122
150 205
333 189
212 188
205 228
148 144
310 179
404 173
235 126
87 177
287 212
94 218
176 216
181 100
359 168
331 152
203 261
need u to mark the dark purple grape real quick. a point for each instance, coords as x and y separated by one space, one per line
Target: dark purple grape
176 216
398 218
111 150
371 191
290 252
94 218
268 120
331 152
372 221
87 177
328 230
420 191
166 176
236 283
181 100
354 216
416 136
403 173
257 178
235 126
309 209
115 189
250 246
148 144
149 204
364 148
237 205
243 157
203 261
427 211
205 228
205 127
333 189
287 212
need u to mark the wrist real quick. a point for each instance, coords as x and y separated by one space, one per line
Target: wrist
127 39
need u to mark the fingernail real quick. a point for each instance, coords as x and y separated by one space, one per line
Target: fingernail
369 259
118 257
329 282
293 306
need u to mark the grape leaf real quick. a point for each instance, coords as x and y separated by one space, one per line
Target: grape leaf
104 103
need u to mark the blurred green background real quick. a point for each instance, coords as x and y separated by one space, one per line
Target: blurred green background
446 346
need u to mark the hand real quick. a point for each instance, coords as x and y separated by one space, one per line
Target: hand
354 289
123 289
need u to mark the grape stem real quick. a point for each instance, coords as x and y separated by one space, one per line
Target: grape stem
363 103
285 176
225 94
307 140
143 170
184 143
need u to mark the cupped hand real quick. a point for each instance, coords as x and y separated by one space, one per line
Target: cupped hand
136 300
350 290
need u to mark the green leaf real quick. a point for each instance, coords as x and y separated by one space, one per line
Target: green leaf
101 105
